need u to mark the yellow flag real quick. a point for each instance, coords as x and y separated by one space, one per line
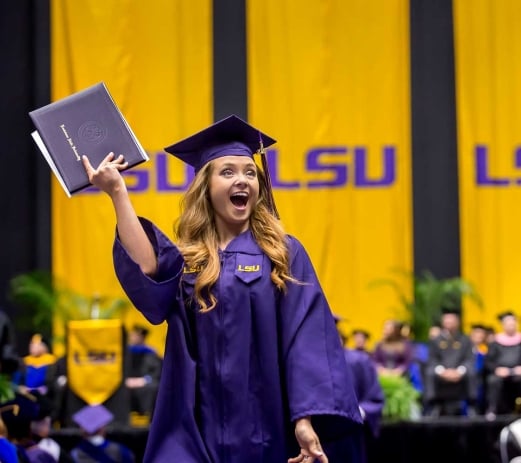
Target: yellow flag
95 359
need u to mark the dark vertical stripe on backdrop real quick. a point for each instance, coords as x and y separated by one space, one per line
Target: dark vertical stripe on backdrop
24 176
229 59
42 96
434 139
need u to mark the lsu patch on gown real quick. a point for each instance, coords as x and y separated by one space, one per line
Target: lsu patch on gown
234 379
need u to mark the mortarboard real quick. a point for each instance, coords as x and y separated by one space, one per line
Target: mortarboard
451 311
478 326
141 330
18 413
91 418
505 314
364 333
230 136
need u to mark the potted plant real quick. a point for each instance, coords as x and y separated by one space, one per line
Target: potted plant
429 296
401 399
42 299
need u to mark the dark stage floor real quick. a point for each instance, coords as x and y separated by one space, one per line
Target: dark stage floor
429 440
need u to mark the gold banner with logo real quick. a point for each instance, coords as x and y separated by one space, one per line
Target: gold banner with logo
95 351
487 50
155 58
330 81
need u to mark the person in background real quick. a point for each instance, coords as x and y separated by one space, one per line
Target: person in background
252 348
369 393
38 367
8 451
393 354
503 367
144 372
434 331
367 388
450 385
478 338
360 339
94 446
18 418
41 427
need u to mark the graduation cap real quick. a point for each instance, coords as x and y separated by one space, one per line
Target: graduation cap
478 326
451 311
140 329
501 316
91 418
18 413
364 333
230 136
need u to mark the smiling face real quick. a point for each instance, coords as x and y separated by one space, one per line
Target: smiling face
234 191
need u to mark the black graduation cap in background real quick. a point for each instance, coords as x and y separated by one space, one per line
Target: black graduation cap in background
230 136
364 333
507 313
451 311
18 413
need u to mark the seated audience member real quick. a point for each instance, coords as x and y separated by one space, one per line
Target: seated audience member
360 339
434 331
450 378
503 366
18 419
37 370
8 452
41 429
491 334
478 338
393 354
94 446
144 372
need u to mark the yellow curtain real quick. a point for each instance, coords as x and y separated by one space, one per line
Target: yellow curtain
155 58
488 65
330 81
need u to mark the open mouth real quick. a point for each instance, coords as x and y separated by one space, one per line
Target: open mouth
239 199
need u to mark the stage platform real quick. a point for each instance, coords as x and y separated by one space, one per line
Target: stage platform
428 440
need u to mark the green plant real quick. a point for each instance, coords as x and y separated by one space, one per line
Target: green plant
42 298
429 296
401 399
6 388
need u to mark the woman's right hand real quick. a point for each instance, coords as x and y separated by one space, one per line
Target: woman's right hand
107 176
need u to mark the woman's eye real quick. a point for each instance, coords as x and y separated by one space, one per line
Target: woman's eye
227 173
251 174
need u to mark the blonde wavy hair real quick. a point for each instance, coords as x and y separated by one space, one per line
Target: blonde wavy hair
198 241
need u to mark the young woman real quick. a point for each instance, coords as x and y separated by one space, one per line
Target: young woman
252 355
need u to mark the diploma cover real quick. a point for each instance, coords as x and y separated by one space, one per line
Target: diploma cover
84 123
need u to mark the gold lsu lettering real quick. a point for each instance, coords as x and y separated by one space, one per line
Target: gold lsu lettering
248 268
194 269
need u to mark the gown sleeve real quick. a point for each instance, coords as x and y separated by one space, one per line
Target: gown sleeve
317 378
153 297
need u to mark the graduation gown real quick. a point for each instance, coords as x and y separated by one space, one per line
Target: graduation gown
234 379
367 388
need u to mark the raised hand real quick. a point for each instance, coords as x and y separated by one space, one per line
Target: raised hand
107 176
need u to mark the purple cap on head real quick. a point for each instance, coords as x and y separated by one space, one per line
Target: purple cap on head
230 136
92 418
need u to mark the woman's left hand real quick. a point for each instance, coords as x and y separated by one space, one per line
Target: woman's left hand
310 448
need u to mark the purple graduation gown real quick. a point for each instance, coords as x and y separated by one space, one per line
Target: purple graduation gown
367 387
234 379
